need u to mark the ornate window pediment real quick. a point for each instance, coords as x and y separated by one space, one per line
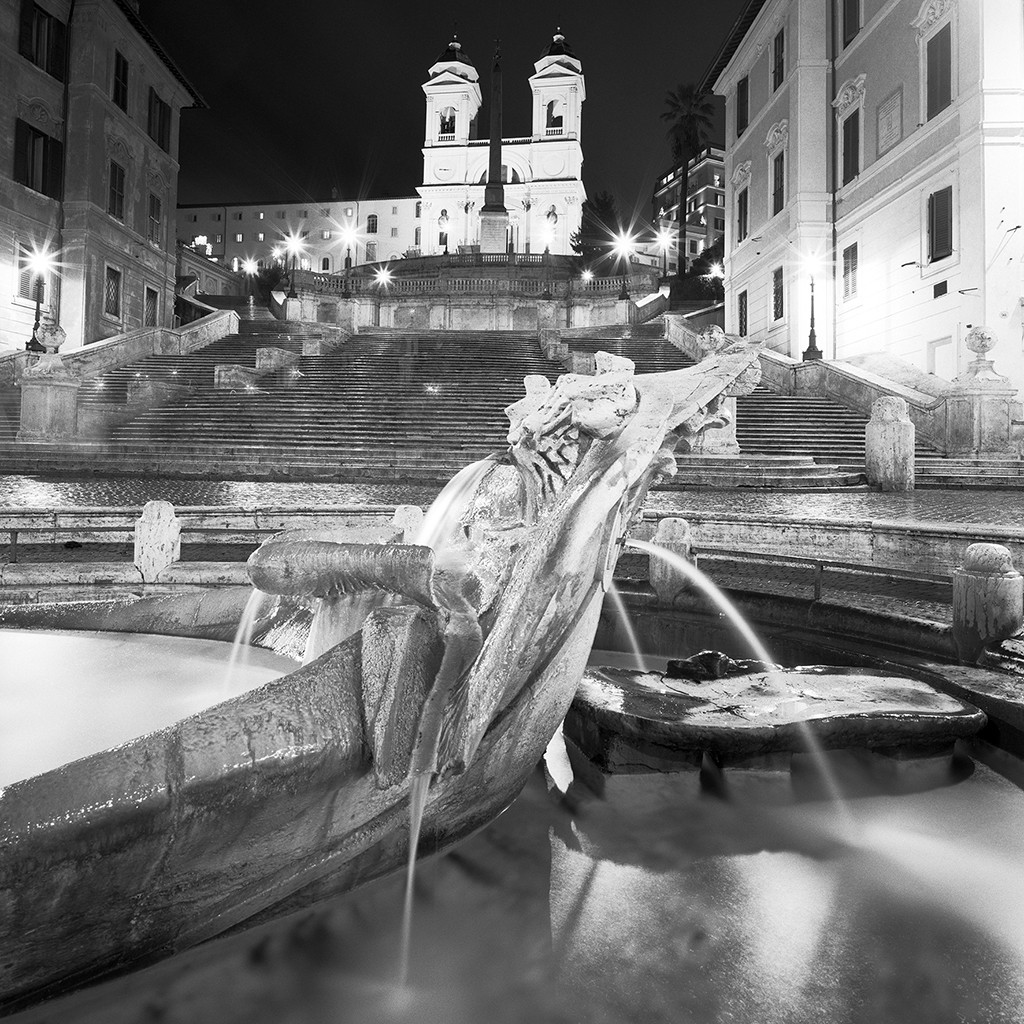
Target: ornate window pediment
932 12
778 136
38 112
851 92
741 174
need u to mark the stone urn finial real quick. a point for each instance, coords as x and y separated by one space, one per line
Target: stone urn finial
51 337
981 340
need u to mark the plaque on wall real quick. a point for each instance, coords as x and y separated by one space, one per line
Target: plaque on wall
890 121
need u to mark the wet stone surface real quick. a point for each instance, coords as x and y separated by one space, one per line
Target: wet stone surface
762 713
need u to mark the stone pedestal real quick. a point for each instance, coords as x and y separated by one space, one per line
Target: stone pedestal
49 394
157 539
982 405
719 440
493 230
665 579
293 309
624 311
988 600
547 314
889 446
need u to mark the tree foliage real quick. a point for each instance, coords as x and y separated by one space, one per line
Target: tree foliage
599 224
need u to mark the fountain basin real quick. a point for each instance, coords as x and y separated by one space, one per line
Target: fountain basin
626 720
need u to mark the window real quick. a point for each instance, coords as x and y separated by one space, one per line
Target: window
42 39
693 246
216 216
938 71
218 239
940 224
719 223
235 263
741 314
239 236
741 216
260 236
742 104
419 209
394 211
259 215
371 224
159 126
778 59
325 211
851 147
120 91
112 292
394 232
152 309
851 20
304 234
778 183
416 237
155 212
850 271
237 216
280 214
325 235
304 214
115 191
325 264
38 160
371 251
778 301
26 279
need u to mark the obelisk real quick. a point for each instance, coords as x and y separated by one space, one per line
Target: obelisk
493 215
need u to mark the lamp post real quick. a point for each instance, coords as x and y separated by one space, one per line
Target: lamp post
40 263
249 266
624 249
664 241
812 352
348 237
292 245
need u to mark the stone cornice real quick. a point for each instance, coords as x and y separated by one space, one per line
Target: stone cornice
851 92
778 135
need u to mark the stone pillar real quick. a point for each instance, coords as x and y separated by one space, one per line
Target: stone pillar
988 600
293 309
665 579
624 311
49 394
889 445
981 406
157 539
547 314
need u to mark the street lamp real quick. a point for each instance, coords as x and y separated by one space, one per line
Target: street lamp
249 267
348 236
624 250
40 263
293 245
812 352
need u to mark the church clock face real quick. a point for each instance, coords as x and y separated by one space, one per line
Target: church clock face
443 173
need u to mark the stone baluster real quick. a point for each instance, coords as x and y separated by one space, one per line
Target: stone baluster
157 539
889 445
988 600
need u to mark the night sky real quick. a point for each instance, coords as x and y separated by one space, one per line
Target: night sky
312 94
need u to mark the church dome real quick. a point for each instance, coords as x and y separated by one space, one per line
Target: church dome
454 52
558 47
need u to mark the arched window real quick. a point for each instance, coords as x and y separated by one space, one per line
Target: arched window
446 129
515 179
371 224
234 264
325 264
554 120
416 237
419 209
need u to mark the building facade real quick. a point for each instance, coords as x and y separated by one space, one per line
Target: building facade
704 184
875 159
88 169
541 172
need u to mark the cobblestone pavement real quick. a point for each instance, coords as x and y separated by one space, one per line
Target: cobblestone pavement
951 506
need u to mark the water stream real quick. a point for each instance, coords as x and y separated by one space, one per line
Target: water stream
732 613
417 801
240 646
447 508
627 624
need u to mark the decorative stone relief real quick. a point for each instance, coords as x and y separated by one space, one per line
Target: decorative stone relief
38 112
778 135
851 92
118 146
741 174
932 11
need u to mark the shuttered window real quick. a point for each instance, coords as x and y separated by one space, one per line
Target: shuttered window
38 159
42 38
939 71
940 224
120 92
778 300
159 128
742 105
25 275
742 220
115 191
851 147
778 183
850 271
741 310
851 20
778 59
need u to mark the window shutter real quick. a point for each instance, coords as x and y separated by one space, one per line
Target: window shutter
58 48
851 147
22 143
851 20
24 274
940 224
53 167
28 17
939 71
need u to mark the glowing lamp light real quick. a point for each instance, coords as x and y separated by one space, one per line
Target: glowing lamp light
249 266
41 262
624 245
665 240
717 271
383 276
587 276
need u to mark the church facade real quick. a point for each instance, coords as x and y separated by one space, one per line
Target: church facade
541 172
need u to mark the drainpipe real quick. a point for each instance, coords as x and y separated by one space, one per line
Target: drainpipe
832 36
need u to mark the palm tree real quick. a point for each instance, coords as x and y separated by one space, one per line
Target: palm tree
689 115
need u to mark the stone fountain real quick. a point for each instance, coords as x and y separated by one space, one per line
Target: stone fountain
454 663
